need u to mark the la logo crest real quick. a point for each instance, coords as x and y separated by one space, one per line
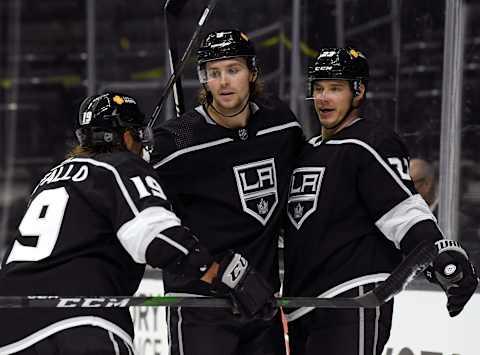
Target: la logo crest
257 188
303 194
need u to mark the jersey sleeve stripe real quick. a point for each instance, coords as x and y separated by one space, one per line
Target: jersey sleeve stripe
137 234
336 290
192 149
395 223
118 179
278 128
173 243
377 157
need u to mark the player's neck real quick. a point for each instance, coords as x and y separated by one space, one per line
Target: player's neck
230 120
328 133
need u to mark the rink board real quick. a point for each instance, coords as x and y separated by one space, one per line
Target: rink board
421 325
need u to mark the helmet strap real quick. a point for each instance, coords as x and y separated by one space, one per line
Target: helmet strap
232 115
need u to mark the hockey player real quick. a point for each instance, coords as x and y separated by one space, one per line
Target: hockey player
226 166
352 212
92 224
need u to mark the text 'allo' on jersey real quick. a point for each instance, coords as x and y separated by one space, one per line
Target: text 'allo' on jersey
85 232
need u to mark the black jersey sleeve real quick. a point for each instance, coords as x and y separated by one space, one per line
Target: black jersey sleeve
387 190
165 144
143 219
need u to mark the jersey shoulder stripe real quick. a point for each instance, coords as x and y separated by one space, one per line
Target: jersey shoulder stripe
115 174
192 149
279 128
376 155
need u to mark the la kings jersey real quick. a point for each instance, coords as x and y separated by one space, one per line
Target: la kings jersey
229 186
351 204
84 234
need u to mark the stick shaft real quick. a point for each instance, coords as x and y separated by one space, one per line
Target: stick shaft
162 301
181 64
172 11
412 265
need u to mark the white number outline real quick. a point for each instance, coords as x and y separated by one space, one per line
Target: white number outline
54 203
402 167
155 188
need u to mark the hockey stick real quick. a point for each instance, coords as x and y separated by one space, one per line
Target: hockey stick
413 264
181 64
172 10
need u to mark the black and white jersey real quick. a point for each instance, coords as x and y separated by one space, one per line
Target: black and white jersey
229 186
351 208
85 233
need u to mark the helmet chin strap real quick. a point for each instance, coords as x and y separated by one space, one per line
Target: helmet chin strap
232 115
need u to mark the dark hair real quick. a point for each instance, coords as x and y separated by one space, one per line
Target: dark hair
82 151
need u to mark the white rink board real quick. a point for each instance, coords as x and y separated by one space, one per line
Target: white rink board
422 326
150 322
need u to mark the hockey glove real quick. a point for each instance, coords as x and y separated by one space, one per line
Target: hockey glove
455 274
188 258
251 294
196 262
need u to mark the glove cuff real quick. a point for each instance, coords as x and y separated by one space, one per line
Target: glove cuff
447 244
234 271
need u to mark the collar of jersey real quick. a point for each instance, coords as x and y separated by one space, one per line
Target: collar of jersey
201 110
318 140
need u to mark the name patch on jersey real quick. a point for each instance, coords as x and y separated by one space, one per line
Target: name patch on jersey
72 172
257 188
303 195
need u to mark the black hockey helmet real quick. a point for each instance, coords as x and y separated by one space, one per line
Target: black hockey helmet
340 63
223 45
102 119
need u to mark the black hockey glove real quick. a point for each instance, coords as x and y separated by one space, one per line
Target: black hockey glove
251 294
196 263
193 263
452 270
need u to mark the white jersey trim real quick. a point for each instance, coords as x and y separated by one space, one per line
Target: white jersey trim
377 157
361 325
315 141
114 343
192 149
115 173
66 324
334 291
137 234
396 223
377 320
179 331
201 110
278 128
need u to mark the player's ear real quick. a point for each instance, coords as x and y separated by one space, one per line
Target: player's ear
358 99
253 76
130 142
